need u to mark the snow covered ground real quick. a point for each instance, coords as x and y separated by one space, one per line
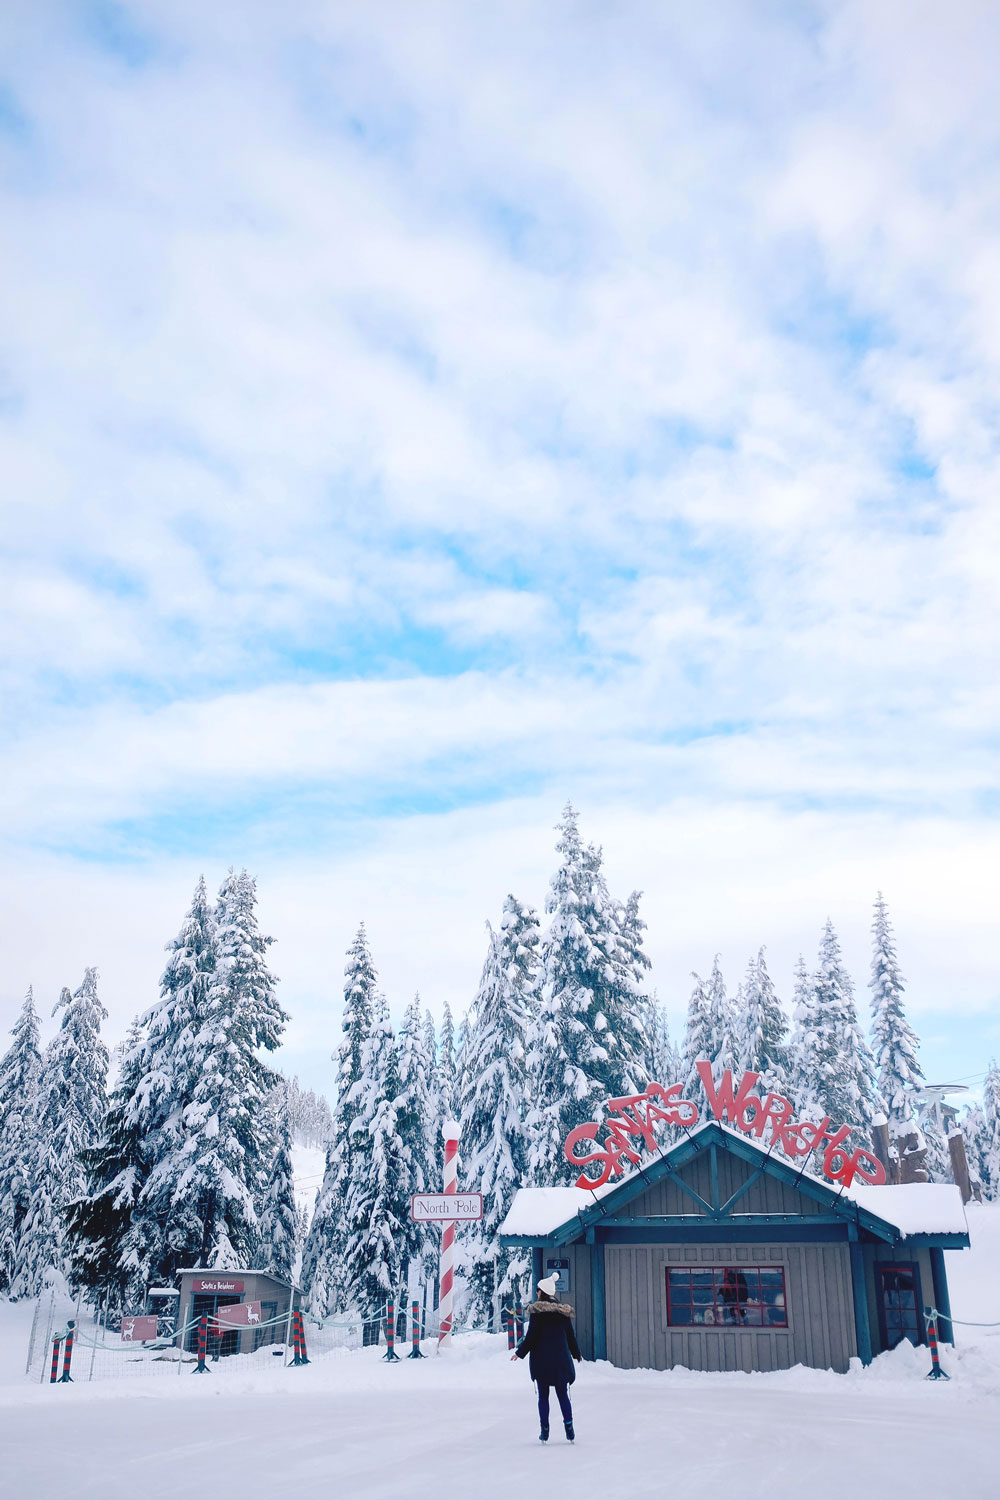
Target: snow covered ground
464 1424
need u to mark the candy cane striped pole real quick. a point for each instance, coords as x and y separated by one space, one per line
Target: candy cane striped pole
66 1378
54 1372
390 1355
201 1368
446 1299
935 1372
415 1331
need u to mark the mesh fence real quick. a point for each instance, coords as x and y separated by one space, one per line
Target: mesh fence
111 1350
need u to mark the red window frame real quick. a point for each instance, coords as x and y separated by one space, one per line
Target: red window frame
750 1312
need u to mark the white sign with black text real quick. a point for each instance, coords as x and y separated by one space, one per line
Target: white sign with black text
446 1208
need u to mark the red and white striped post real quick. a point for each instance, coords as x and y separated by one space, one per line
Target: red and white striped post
390 1355
935 1372
66 1378
446 1298
415 1331
54 1371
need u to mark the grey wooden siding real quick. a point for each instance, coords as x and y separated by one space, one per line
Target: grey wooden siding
767 1196
817 1288
580 1296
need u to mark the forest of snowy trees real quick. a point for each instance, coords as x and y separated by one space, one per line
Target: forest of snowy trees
188 1159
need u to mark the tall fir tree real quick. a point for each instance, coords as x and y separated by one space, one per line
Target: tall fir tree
990 1143
763 1027
323 1268
590 1042
242 1016
166 1217
834 1070
378 1204
115 1245
493 1104
894 1042
20 1071
709 1035
416 1126
72 1101
277 1211
662 1061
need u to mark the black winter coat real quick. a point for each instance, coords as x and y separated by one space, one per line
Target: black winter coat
551 1343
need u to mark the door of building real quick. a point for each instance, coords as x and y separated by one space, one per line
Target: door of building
900 1311
207 1304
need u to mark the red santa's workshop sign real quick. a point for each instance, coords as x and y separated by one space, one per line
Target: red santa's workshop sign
632 1120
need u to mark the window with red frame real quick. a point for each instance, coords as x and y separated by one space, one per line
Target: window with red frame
726 1297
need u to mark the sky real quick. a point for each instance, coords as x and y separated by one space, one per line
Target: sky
415 416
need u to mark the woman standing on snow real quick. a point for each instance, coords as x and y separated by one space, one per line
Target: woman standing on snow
552 1346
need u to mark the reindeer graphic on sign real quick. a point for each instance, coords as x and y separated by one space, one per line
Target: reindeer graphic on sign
128 1331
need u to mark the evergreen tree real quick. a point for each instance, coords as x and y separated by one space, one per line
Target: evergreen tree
833 1067
278 1213
114 1244
661 1060
589 1042
709 1033
378 1205
416 1125
447 1073
242 1015
894 1042
493 1105
990 1139
20 1071
323 1270
70 1111
763 1027
166 1216
975 1134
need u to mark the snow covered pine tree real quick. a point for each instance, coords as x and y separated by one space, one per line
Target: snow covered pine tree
590 1039
324 1274
71 1106
493 1104
20 1071
894 1042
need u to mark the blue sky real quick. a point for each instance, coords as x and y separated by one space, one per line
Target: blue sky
415 416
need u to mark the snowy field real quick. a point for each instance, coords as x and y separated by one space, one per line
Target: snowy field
464 1424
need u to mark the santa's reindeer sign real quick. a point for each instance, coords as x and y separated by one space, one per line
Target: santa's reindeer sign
137 1330
238 1315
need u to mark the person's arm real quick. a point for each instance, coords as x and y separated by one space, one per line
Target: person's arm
528 1342
574 1347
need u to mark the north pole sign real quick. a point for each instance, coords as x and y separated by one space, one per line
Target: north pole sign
446 1208
770 1120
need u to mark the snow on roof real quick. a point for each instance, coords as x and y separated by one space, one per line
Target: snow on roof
912 1208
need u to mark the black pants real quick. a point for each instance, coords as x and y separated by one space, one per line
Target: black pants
562 1396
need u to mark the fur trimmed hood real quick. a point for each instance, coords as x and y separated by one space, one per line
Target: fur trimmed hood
550 1307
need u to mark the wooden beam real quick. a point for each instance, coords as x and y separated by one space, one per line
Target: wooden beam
942 1301
597 1301
859 1285
754 1177
756 1221
713 1170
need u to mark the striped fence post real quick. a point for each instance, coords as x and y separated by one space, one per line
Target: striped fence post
66 1378
415 1331
518 1321
390 1336
54 1372
301 1358
935 1372
507 1316
201 1368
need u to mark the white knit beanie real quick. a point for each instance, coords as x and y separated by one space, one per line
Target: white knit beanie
548 1286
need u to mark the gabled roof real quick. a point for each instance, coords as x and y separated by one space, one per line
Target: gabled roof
558 1215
